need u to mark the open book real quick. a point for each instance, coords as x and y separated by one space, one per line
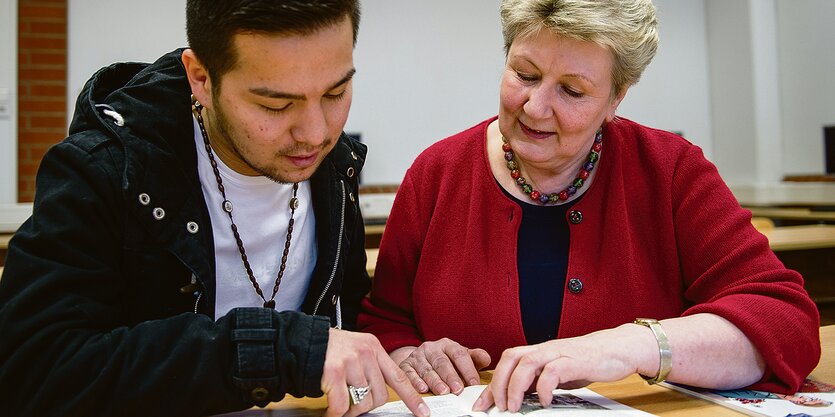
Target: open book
566 403
814 399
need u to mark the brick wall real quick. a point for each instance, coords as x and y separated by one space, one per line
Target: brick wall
42 85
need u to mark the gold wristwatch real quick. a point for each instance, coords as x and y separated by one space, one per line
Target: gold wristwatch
666 362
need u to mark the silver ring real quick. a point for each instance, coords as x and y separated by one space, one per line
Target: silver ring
357 393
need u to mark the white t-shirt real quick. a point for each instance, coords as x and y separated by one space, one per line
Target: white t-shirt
261 210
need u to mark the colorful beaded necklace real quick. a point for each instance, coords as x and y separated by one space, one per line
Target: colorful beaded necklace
542 198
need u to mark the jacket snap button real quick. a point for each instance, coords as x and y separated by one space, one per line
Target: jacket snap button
351 196
260 394
575 285
192 227
159 213
350 172
353 155
333 299
144 199
575 217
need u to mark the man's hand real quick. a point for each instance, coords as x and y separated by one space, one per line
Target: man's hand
358 359
443 366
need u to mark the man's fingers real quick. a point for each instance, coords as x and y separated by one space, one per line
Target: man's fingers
377 384
338 402
397 380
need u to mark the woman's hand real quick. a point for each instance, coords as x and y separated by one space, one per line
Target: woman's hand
443 366
608 355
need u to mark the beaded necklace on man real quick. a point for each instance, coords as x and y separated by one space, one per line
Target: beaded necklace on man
543 198
226 206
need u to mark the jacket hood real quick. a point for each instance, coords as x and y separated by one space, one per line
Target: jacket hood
137 100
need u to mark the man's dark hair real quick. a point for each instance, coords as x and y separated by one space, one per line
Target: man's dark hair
212 24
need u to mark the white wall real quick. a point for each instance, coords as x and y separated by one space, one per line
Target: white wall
429 69
425 70
807 80
673 92
8 101
101 32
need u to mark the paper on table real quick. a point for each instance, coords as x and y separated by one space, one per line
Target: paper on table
566 403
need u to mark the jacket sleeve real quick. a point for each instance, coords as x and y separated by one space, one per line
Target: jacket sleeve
388 312
68 348
730 271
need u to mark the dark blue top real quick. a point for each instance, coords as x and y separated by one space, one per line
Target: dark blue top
542 259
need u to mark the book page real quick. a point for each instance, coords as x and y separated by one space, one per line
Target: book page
566 403
814 399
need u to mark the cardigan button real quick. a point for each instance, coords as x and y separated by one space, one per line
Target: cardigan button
575 217
575 285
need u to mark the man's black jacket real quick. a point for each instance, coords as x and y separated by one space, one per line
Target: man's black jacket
107 298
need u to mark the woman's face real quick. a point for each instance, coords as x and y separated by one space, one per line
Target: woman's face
556 92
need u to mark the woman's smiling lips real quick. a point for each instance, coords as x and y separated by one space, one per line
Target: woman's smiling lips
533 133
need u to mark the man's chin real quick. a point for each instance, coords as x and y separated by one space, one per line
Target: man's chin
290 176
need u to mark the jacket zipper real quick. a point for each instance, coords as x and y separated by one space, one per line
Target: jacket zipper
336 262
199 293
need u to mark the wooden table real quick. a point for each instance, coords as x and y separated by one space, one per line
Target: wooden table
632 391
811 236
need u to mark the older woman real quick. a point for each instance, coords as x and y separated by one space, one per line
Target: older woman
543 238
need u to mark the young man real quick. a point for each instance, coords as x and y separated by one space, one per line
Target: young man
196 244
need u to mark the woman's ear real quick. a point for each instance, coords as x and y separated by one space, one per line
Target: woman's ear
198 78
613 105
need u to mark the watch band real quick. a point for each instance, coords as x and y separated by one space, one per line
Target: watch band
666 355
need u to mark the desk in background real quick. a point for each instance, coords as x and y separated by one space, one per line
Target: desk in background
813 236
632 391
783 194
371 262
795 214
4 246
373 234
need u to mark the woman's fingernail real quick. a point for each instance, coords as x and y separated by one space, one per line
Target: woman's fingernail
455 387
423 410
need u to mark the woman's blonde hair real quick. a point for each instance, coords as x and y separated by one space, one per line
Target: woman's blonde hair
628 28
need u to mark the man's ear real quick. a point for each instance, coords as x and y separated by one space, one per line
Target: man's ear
198 78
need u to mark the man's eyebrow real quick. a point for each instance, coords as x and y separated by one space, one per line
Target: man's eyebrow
270 93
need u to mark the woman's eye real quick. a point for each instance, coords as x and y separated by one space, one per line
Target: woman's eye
573 93
526 77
